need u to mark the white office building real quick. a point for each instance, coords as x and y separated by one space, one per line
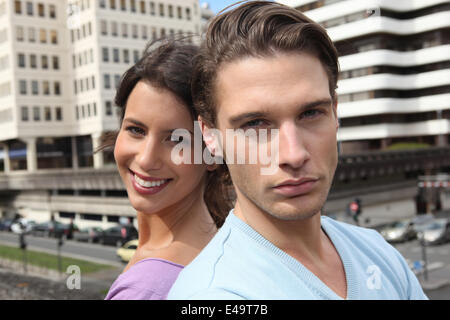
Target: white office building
394 83
60 63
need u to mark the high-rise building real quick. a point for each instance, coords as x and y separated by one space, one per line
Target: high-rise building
394 84
60 63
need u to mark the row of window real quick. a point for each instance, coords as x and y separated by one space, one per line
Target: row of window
46 62
35 86
107 81
83 58
86 111
137 32
40 113
85 84
29 8
80 33
145 7
45 36
114 55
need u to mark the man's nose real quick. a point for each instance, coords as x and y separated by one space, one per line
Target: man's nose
292 149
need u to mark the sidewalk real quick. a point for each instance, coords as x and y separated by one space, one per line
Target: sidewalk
16 285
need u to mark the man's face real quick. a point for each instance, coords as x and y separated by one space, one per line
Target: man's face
288 92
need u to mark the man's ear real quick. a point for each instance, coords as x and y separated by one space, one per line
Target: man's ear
207 134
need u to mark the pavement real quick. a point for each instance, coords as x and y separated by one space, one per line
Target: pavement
15 284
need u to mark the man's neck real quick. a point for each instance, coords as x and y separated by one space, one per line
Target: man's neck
302 239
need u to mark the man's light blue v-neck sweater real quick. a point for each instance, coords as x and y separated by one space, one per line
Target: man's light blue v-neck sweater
239 263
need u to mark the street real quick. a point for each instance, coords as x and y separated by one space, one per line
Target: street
86 251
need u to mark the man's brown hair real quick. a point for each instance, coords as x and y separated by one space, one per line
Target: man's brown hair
255 29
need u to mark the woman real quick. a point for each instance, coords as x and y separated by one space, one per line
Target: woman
179 207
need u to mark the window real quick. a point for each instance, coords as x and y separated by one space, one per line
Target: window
21 60
142 5
108 108
123 5
124 30
33 61
31 34
44 62
46 88
152 8
59 115
134 31
55 63
117 80
41 11
112 4
18 6
34 87
77 112
107 81
103 27
105 54
23 87
54 36
161 9
95 108
47 114
170 11
126 56
180 10
144 32
188 13
116 55
133 5
19 33
24 113
30 8
102 4
93 82
52 11
75 86
57 88
36 114
136 56
114 29
43 36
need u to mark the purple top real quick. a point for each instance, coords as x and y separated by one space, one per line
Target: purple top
148 279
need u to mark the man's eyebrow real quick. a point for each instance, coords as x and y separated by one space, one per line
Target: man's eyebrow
258 114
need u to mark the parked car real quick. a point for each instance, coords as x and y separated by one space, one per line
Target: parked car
437 232
118 235
399 231
22 225
5 224
91 234
54 229
127 250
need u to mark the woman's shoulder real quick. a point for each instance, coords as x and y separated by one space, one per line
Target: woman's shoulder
150 278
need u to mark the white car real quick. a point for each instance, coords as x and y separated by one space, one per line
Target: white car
22 226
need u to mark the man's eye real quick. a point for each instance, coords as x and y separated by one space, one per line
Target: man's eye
311 113
253 123
135 130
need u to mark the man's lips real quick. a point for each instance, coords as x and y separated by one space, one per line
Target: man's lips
295 187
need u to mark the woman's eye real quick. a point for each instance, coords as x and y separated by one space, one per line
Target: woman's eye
135 130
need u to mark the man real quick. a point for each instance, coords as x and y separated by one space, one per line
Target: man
266 66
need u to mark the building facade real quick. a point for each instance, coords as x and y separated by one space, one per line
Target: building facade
394 85
60 64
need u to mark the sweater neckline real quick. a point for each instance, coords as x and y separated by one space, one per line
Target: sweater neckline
308 277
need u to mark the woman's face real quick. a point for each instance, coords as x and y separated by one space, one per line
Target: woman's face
143 151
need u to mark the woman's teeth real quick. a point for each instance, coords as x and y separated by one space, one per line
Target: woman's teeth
149 184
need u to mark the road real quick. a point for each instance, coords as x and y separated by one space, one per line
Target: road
86 251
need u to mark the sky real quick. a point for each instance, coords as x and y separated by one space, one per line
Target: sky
217 5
